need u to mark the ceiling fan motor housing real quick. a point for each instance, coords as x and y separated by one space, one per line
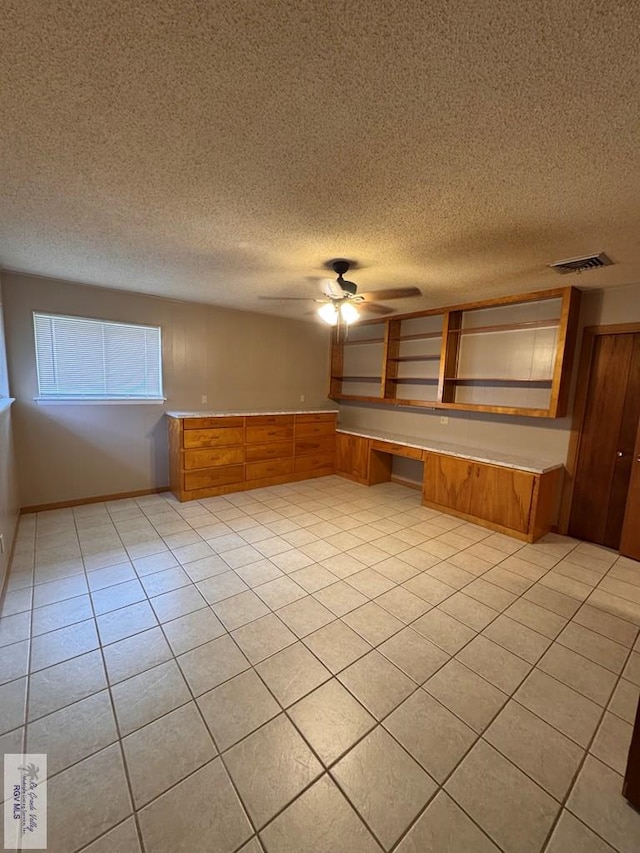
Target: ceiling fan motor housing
340 267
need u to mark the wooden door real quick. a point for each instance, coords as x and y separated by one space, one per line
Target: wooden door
630 540
631 787
607 440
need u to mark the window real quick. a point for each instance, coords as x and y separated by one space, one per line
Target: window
83 359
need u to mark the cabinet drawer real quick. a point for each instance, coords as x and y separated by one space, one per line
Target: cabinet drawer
213 477
209 458
264 434
318 462
317 418
323 444
270 420
308 430
397 449
277 450
213 437
263 470
206 423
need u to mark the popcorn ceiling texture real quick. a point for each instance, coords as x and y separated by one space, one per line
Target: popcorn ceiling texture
217 151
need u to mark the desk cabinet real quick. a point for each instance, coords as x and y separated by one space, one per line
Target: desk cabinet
519 503
352 457
211 456
496 494
514 501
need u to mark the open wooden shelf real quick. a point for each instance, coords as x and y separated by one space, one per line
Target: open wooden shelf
542 334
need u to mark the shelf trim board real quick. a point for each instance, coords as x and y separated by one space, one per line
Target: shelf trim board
497 380
510 327
416 380
416 358
423 336
565 352
495 302
436 404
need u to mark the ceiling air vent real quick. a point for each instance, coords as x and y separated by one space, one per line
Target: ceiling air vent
589 262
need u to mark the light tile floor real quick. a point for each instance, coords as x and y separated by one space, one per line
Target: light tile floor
319 667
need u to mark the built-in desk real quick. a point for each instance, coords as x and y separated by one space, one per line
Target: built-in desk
512 494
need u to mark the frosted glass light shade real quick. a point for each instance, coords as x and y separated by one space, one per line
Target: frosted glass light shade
329 313
349 312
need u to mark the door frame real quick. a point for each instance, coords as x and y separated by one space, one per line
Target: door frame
583 377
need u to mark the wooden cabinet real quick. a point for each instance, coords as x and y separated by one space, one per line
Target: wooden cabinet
515 501
519 503
314 446
214 455
500 495
509 356
352 457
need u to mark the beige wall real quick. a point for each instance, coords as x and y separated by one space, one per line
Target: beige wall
542 438
8 481
9 505
239 360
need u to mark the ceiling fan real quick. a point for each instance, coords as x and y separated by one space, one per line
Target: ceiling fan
341 302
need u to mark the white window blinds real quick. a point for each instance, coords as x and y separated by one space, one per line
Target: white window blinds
79 358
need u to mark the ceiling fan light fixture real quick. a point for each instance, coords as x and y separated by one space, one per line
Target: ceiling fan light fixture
349 313
328 313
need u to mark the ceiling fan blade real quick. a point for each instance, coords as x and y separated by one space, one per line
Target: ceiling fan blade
376 308
293 298
392 293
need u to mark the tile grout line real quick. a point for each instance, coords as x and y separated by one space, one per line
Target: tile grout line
123 757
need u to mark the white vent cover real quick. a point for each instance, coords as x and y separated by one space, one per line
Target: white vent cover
589 262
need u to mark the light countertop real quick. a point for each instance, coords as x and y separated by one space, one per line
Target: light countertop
244 413
474 454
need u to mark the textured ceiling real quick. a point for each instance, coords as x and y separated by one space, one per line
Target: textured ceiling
217 151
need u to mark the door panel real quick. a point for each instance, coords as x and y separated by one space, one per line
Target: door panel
631 788
626 443
352 456
630 540
602 477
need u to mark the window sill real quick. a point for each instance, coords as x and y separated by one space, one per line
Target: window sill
97 401
5 403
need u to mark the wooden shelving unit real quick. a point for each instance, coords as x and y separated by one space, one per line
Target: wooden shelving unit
507 356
